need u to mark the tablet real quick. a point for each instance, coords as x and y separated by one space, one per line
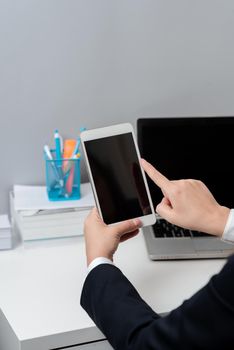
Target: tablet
119 184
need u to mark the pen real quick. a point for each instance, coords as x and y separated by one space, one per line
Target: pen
57 140
76 149
56 172
61 144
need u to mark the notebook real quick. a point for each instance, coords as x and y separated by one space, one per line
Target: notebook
5 233
189 147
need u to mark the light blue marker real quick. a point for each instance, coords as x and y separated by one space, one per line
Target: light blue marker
76 150
57 140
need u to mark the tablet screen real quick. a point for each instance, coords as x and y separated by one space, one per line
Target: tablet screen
117 177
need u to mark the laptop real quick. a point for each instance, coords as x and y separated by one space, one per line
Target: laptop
197 148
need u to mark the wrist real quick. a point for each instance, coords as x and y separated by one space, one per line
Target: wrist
98 261
91 258
219 221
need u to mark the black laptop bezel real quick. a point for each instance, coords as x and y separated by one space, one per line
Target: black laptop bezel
153 122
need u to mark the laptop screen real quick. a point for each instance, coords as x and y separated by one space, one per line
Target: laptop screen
196 148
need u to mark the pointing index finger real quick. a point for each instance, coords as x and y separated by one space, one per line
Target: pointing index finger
160 180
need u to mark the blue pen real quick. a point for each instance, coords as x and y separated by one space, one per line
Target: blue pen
58 152
76 150
57 140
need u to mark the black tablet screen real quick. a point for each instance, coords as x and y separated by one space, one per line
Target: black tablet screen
117 177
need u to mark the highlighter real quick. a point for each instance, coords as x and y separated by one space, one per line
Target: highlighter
70 180
69 146
69 163
68 149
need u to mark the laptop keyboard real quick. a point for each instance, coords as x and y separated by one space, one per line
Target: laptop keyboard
163 228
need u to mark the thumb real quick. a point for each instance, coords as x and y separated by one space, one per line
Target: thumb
94 218
126 226
164 209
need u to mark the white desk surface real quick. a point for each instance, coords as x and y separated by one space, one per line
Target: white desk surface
41 283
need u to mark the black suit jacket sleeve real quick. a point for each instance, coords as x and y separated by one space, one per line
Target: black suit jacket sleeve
205 321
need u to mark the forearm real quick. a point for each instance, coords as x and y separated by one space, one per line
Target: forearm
115 305
203 322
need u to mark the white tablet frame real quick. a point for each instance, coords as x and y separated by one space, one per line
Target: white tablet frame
113 130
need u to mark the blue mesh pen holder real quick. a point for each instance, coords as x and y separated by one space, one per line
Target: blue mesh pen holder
62 178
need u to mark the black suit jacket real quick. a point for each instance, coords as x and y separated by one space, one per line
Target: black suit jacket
205 321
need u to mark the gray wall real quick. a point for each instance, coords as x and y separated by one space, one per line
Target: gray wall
67 63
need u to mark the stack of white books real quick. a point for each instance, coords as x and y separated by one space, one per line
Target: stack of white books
36 218
5 233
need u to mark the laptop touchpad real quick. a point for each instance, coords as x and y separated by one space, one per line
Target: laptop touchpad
201 244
